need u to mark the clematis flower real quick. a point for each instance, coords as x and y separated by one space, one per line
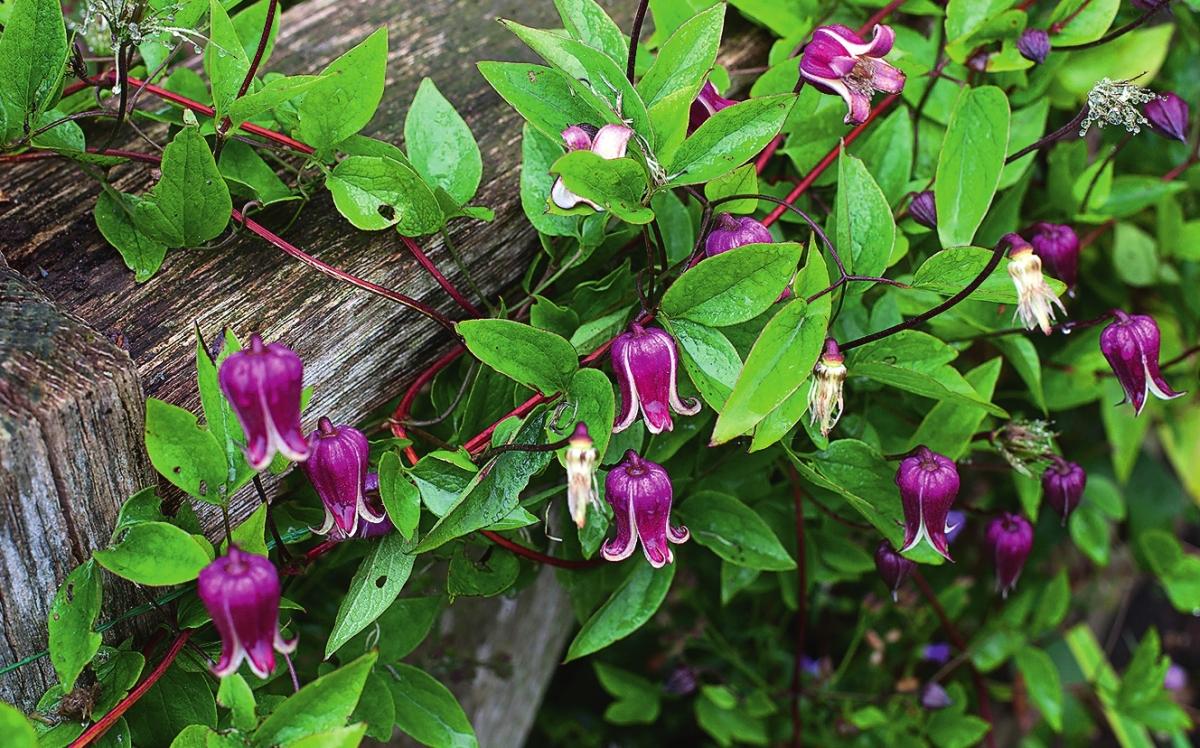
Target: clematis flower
241 592
934 697
708 103
1009 539
581 459
928 485
640 494
733 232
1168 116
838 61
937 652
1034 45
1035 299
825 400
892 567
1063 483
923 209
337 469
1057 246
645 361
263 384
957 521
608 142
367 529
1131 346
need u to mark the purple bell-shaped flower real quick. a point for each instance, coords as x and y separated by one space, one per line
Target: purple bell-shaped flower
263 385
1057 246
1131 346
337 468
1168 116
708 103
839 61
1063 483
608 142
640 494
366 528
241 592
645 361
1034 45
928 485
733 232
892 567
1009 539
923 209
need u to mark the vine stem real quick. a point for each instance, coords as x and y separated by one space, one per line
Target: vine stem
254 63
102 726
1116 33
639 17
447 286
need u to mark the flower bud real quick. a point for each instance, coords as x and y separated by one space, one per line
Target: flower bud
337 469
1131 345
838 61
581 459
892 567
646 361
1034 45
1035 299
733 232
923 209
928 485
640 494
956 520
263 384
1168 116
608 142
1057 246
1063 483
1009 539
937 652
1175 679
825 399
933 697
682 681
707 103
241 592
367 529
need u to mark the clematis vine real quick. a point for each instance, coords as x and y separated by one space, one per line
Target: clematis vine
1035 299
608 142
1009 539
707 103
928 485
337 469
1131 344
838 61
263 384
645 361
1057 246
892 567
640 494
825 400
581 460
241 592
1063 483
368 529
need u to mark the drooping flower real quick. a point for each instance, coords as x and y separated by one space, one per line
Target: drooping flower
928 485
839 61
923 209
646 361
1063 483
1168 116
1057 246
241 592
263 384
1034 45
892 567
640 494
708 103
608 142
825 400
1131 344
733 232
366 528
1035 299
337 469
1009 539
581 459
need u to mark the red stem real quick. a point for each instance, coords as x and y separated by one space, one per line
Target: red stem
410 395
258 56
442 281
533 555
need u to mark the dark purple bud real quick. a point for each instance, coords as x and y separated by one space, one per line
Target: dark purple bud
735 231
1058 247
640 494
646 361
1149 4
1131 345
681 682
892 567
337 469
923 209
957 521
1176 678
1009 539
928 486
263 384
937 652
1168 116
241 592
934 696
708 103
1063 483
1034 45
838 61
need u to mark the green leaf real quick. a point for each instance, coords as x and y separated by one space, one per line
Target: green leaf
114 217
375 586
865 228
185 453
15 730
241 165
949 271
427 711
400 496
586 21
728 139
780 361
1090 532
970 163
630 606
33 56
1042 683
202 736
741 181
1125 431
1052 604
340 737
155 554
951 729
535 358
685 59
545 97
734 286
637 699
407 623
709 358
190 204
1082 22
1178 572
235 695
225 61
538 154
948 427
73 639
178 699
888 154
346 97
617 185
487 577
1023 356
271 94
375 193
219 417
734 532
323 704
590 399
440 144
376 708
